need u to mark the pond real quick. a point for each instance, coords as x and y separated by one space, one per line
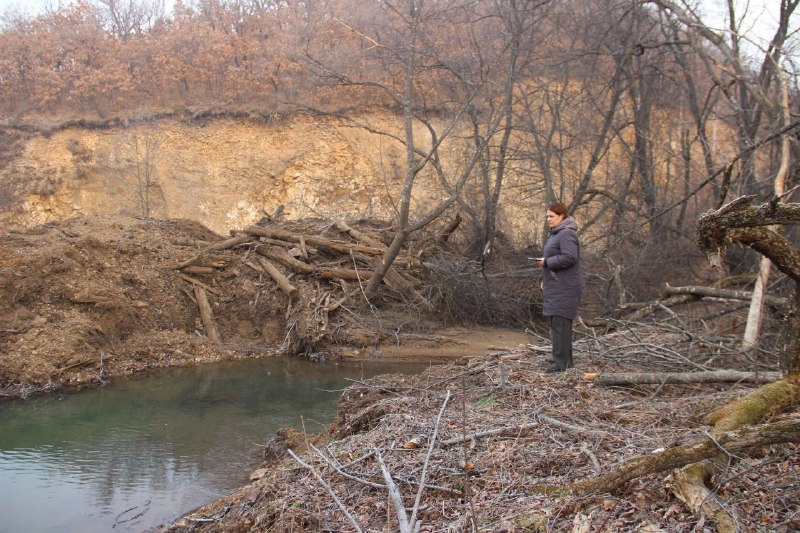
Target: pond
143 452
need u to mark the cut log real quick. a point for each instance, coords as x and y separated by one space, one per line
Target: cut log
358 235
282 281
401 262
285 259
396 282
713 376
206 315
198 269
336 246
222 245
724 293
346 274
288 245
189 242
197 283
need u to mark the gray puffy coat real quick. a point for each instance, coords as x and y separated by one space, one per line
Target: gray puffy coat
561 273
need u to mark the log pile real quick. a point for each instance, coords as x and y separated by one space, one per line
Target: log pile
317 270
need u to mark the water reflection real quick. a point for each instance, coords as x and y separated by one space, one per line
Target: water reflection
155 447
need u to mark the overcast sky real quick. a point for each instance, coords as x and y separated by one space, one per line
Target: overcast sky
37 6
27 6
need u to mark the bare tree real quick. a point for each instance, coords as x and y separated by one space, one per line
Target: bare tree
507 62
417 75
759 104
125 18
145 184
752 90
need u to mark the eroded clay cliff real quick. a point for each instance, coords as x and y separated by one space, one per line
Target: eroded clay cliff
225 172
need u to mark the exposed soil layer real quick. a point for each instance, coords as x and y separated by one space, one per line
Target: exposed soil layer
89 298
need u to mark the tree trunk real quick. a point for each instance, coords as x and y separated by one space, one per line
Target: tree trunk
206 315
755 315
756 311
715 376
282 281
790 345
724 293
385 262
676 457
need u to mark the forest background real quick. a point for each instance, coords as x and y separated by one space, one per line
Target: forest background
657 129
639 115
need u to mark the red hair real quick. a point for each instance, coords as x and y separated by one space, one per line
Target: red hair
558 208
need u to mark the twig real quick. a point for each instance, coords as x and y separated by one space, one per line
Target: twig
585 449
328 489
490 433
424 474
394 495
137 515
568 427
342 472
211 518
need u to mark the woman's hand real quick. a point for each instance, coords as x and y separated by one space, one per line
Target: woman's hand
538 261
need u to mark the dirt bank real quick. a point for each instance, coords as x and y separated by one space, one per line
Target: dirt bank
90 298
225 170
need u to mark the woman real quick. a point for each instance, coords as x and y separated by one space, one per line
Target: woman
561 282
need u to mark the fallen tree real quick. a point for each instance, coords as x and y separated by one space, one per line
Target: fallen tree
733 426
728 294
711 376
734 441
741 222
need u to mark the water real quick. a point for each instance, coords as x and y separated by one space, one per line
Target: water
141 453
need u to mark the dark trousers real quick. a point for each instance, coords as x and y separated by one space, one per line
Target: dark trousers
561 329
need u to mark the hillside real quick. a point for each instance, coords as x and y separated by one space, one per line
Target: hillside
85 297
223 171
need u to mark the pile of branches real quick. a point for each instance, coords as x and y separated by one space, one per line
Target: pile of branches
503 291
497 445
317 275
321 270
